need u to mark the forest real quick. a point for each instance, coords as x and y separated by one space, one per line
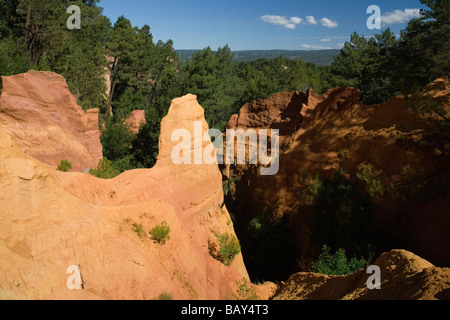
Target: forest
147 74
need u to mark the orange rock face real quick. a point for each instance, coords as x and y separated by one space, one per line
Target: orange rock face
281 111
335 130
50 220
41 115
404 276
136 119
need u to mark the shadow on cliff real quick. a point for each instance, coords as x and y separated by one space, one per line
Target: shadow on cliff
336 131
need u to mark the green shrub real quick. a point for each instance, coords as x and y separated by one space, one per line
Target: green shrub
229 248
342 217
116 138
138 228
125 164
161 233
270 249
65 166
228 185
104 170
378 186
165 296
244 291
309 187
337 264
430 110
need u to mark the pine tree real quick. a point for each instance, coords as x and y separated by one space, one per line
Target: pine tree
43 23
213 77
81 57
423 53
122 49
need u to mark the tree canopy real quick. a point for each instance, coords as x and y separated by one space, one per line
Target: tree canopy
147 74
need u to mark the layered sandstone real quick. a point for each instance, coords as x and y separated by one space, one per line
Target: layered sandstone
404 276
335 130
50 220
135 120
41 115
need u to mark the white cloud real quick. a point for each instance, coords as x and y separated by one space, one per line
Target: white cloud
311 20
290 23
314 47
329 23
275 20
296 20
399 16
325 40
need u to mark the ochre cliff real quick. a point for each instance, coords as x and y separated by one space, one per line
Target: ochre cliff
404 276
41 115
321 134
135 120
50 220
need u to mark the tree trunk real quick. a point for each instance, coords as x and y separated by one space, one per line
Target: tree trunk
109 106
153 91
27 23
114 75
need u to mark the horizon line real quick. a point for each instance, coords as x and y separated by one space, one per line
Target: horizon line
327 49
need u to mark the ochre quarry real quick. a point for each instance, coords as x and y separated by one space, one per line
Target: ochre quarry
322 134
50 220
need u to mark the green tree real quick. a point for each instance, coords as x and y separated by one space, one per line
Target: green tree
423 53
14 58
342 217
7 11
212 76
271 249
378 80
337 264
367 65
147 77
121 46
116 138
266 77
81 57
162 65
349 65
146 143
43 23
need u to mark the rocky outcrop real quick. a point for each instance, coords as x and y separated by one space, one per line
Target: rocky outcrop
404 276
41 115
50 220
335 130
282 111
135 120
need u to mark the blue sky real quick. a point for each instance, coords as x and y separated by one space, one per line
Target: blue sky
260 24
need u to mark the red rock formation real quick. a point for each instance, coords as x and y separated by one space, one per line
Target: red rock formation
136 119
281 111
39 112
404 276
50 220
335 131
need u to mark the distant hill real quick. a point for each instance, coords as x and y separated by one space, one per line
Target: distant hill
319 57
